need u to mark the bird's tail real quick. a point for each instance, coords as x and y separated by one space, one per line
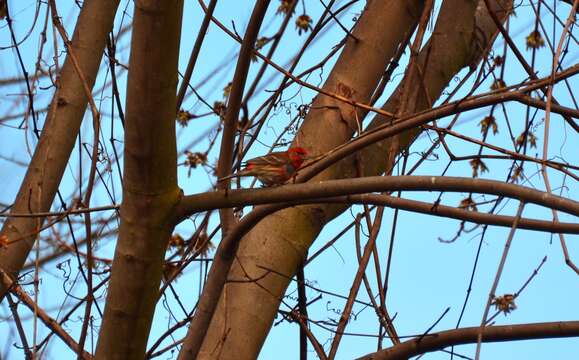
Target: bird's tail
232 176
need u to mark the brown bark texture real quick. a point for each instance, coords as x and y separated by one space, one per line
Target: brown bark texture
440 340
280 241
58 136
283 238
150 189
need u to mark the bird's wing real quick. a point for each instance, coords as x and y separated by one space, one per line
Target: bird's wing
274 159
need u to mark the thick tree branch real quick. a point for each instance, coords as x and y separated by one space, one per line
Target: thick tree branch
438 341
455 213
150 181
352 81
412 122
316 190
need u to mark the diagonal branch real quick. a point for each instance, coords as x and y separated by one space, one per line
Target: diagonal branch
233 106
40 185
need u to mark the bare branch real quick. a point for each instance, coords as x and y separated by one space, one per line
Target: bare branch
438 341
297 193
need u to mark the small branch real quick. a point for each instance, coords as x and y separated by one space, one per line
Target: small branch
14 309
498 277
206 306
518 293
435 323
315 343
303 312
363 263
44 317
195 54
550 103
230 120
528 69
62 213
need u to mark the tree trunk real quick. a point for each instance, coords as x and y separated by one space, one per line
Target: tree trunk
280 242
150 181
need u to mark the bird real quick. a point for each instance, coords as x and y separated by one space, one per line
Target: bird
274 168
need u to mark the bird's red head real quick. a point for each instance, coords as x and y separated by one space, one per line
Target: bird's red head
297 156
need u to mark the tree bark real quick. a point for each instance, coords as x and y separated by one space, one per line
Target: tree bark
437 341
280 241
58 137
150 189
461 38
283 238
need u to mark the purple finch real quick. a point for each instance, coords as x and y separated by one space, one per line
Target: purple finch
274 168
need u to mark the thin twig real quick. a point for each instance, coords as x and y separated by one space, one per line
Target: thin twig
497 277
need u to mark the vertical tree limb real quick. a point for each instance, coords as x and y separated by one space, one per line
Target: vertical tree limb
207 302
233 106
150 180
